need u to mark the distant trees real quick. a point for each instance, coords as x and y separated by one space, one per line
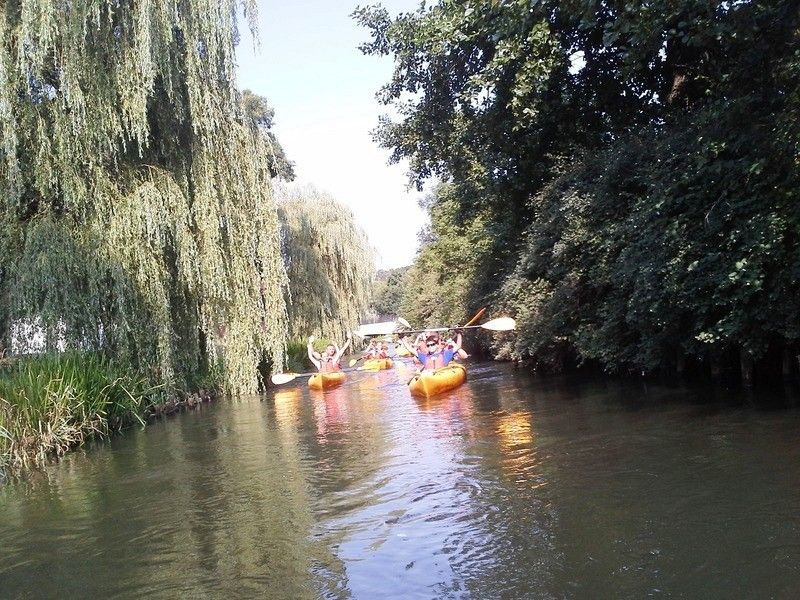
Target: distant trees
388 293
329 261
622 177
260 114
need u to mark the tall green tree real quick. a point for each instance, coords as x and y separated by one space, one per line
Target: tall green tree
258 111
136 214
330 263
633 166
388 293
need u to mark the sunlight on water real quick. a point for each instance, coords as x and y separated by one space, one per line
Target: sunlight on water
508 487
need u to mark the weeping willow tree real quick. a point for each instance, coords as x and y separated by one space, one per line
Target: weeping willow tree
330 263
136 215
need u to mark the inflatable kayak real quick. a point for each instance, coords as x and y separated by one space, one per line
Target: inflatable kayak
430 383
326 381
377 364
402 352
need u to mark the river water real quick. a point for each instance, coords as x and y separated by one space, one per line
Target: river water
510 487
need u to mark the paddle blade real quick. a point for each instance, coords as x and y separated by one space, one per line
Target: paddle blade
403 322
352 362
281 378
500 324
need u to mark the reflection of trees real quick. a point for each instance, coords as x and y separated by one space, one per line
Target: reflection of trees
207 502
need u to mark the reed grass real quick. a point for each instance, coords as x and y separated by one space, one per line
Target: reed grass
51 403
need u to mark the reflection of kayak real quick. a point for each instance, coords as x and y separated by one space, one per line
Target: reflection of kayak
326 381
377 364
430 383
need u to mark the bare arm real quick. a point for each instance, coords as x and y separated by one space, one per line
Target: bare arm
457 346
311 356
343 349
408 346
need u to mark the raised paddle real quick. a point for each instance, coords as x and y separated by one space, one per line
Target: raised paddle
499 324
476 318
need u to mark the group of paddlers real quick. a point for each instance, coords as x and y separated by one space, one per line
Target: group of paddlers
430 350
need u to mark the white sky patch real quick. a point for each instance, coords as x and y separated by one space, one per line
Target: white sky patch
323 91
577 62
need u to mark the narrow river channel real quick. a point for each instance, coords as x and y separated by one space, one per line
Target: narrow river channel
509 487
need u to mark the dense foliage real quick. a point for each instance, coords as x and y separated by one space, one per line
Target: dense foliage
136 215
329 261
388 293
622 176
262 115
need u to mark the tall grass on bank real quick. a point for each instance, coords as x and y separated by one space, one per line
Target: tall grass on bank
51 403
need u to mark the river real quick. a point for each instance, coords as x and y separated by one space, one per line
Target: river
511 487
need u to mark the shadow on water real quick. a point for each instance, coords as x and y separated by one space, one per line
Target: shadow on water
512 486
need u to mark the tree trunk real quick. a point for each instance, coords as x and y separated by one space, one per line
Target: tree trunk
787 366
716 366
746 367
680 363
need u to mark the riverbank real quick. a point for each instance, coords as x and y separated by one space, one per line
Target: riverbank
50 404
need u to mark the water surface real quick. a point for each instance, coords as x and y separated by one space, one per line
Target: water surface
510 487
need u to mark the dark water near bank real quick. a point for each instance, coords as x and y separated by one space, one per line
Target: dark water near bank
512 487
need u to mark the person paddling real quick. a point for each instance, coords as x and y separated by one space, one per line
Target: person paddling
372 350
429 351
328 361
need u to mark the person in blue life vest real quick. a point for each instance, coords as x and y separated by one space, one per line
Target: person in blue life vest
328 361
431 353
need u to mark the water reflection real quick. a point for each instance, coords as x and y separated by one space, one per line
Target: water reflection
507 487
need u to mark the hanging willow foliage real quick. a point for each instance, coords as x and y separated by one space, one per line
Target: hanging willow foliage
136 214
330 263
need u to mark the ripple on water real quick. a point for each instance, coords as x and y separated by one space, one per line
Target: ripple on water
509 487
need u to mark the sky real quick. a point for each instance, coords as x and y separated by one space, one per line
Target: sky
322 88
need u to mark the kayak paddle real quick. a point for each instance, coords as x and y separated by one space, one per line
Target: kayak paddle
281 378
499 324
475 319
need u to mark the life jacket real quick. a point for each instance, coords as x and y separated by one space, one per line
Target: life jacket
328 365
434 361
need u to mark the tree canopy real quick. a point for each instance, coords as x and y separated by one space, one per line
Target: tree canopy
136 215
258 111
330 264
625 173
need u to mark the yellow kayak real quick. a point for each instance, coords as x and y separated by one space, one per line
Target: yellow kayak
326 381
430 383
402 352
377 364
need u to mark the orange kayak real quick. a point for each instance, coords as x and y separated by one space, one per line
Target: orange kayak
430 383
326 381
377 364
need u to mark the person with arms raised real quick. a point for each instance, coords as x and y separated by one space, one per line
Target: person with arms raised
328 361
430 353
